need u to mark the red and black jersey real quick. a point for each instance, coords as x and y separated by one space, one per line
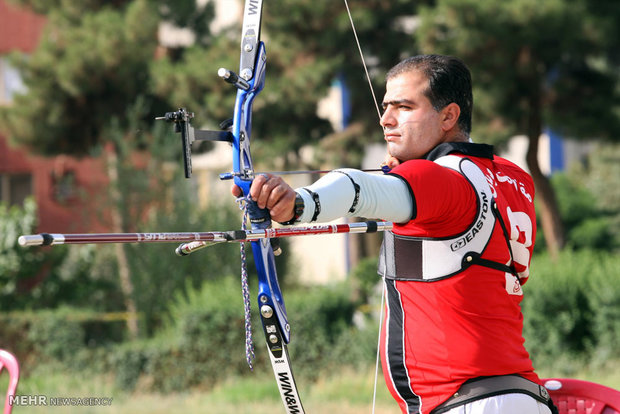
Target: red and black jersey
441 332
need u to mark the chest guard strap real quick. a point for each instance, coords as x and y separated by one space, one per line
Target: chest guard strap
430 259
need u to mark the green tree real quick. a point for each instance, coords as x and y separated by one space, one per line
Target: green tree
74 275
93 80
98 56
86 71
14 268
535 64
309 44
590 200
88 89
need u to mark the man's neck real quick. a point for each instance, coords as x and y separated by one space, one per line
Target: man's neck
457 135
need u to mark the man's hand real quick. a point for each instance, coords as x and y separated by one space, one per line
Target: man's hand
271 192
391 161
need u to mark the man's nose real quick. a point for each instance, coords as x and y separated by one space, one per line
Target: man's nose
387 119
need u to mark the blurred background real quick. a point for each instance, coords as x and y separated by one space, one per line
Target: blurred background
80 86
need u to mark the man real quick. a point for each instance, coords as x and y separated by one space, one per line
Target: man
457 256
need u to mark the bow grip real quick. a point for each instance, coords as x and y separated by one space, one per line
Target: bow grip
259 217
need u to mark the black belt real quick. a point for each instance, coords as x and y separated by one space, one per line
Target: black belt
485 387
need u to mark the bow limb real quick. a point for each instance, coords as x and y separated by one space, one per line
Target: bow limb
270 302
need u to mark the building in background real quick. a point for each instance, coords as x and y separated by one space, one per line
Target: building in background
555 153
66 189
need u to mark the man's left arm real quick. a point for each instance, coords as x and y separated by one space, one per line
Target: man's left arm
341 193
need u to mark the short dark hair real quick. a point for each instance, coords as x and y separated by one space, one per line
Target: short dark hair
449 80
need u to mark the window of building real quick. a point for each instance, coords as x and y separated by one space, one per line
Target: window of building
14 188
11 82
64 187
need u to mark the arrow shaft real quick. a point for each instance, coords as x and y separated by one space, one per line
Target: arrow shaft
201 238
47 239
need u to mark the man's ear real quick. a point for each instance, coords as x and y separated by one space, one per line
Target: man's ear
450 116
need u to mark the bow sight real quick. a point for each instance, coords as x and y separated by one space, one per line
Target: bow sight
182 124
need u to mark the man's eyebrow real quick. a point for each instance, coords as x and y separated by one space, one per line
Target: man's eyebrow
384 104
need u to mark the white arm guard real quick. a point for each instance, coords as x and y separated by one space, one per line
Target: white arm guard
335 195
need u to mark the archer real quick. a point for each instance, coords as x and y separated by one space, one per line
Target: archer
459 251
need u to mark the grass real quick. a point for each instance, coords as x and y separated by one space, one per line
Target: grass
347 392
608 374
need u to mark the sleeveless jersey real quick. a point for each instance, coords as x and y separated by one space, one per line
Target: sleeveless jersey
458 324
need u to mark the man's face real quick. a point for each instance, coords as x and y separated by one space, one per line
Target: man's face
412 127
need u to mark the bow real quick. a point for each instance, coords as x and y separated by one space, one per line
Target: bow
264 240
249 82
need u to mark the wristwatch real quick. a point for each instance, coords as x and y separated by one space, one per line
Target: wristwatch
297 212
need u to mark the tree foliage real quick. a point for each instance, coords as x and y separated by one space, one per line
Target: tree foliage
589 198
74 275
535 64
312 44
309 44
86 71
97 58
558 53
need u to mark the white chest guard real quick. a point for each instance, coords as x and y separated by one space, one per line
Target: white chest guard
430 259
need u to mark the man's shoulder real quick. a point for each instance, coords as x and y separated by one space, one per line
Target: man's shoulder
508 165
508 171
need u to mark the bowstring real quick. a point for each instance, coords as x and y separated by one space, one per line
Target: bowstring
374 391
245 289
374 97
359 48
